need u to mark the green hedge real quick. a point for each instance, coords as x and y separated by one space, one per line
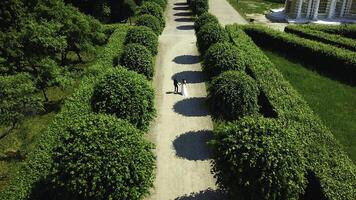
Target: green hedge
204 19
222 57
325 157
103 158
320 36
144 36
151 22
201 6
338 63
127 95
233 95
346 30
151 8
161 3
259 158
209 34
139 59
38 163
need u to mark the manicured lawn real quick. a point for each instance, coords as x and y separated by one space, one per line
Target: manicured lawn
334 102
255 6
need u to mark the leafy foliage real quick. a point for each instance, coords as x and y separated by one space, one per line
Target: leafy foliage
151 8
259 158
127 95
201 6
233 95
138 58
18 98
346 30
144 36
151 22
161 3
204 19
222 57
104 158
209 34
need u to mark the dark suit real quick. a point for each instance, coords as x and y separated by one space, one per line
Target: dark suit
175 83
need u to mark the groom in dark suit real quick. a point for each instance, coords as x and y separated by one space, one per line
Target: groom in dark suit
175 83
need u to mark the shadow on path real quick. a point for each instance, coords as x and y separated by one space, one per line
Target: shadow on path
183 14
193 145
208 194
181 8
185 27
187 59
184 19
192 107
181 4
190 76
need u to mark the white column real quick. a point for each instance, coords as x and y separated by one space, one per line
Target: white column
316 9
299 11
332 9
343 8
309 8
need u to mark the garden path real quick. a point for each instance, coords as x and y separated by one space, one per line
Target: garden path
225 12
183 125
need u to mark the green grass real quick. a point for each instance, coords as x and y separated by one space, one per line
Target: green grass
334 102
255 6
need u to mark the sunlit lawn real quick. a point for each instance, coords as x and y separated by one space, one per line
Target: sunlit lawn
333 101
255 6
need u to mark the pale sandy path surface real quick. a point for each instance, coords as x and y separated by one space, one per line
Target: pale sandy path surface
183 125
225 12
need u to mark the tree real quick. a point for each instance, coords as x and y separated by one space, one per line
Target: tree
18 98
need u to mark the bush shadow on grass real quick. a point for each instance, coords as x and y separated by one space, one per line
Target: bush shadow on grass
183 14
185 27
187 59
184 19
190 76
208 194
192 107
193 145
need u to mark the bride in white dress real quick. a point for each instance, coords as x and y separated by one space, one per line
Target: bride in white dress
184 88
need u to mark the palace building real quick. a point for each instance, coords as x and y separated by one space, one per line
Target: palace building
320 9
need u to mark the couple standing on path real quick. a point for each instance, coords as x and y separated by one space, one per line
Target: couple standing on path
184 91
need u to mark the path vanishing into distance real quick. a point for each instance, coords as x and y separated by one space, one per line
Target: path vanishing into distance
183 125
225 12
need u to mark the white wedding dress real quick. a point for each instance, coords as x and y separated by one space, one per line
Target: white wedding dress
184 90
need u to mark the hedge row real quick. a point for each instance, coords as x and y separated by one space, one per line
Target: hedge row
320 36
38 164
338 63
199 6
324 155
152 8
346 30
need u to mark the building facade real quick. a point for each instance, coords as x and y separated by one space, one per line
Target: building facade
320 9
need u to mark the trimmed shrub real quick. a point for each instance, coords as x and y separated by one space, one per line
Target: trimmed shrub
151 8
161 3
233 95
204 19
127 95
139 59
104 158
209 34
222 57
346 30
201 6
259 158
144 36
151 22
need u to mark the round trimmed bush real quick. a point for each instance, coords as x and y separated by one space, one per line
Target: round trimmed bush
161 3
234 95
222 57
209 34
201 6
138 58
127 95
152 8
104 157
259 158
151 22
204 19
144 36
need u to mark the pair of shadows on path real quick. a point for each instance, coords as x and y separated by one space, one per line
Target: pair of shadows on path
193 145
192 107
208 194
190 76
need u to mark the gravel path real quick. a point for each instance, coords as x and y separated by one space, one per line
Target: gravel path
225 12
183 125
